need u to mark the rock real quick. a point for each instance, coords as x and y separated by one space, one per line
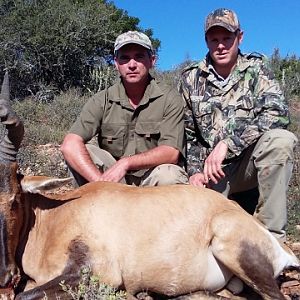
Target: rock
295 246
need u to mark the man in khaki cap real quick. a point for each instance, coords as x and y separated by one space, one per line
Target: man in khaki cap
138 123
236 118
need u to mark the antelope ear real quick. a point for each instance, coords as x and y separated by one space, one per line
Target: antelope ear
39 184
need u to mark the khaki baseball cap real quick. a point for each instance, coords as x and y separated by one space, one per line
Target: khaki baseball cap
222 17
132 37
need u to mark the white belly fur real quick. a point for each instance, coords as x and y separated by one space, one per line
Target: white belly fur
217 274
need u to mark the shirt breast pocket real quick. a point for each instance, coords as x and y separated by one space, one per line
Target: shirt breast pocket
202 111
147 135
112 139
244 108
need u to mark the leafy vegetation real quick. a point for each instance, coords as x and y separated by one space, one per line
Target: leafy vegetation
91 288
287 71
46 125
53 45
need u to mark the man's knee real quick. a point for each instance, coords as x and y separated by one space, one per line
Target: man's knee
167 174
277 144
101 158
280 138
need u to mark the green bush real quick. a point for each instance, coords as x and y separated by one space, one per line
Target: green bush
49 122
52 45
287 71
91 288
46 124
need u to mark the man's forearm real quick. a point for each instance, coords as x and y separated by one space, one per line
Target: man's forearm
80 159
83 165
162 154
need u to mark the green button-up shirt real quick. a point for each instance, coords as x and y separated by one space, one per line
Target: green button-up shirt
123 130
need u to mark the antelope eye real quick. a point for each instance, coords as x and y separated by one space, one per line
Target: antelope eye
14 205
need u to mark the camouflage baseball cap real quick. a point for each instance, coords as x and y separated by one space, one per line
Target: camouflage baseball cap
132 37
222 17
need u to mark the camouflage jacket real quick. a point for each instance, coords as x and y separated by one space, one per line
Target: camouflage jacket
237 110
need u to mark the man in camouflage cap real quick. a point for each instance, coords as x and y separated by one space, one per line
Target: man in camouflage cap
224 18
138 123
236 118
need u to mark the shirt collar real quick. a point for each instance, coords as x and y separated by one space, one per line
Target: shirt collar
206 64
152 91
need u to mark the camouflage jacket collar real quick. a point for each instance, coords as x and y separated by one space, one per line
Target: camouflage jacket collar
242 64
207 71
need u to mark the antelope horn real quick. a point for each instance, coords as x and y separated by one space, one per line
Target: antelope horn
5 88
15 130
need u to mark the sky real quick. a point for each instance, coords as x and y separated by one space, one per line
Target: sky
178 24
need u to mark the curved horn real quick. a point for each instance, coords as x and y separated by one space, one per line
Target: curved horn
5 88
15 130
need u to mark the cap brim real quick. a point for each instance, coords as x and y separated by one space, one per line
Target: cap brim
132 42
226 26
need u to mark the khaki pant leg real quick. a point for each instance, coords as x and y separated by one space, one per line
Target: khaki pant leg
165 174
273 158
101 158
268 164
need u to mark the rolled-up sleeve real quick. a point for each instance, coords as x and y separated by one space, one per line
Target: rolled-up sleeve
172 124
88 122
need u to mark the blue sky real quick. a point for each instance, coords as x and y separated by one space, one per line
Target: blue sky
178 24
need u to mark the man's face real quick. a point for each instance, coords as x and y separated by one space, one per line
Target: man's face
133 63
223 46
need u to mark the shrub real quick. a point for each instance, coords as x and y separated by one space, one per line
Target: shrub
49 122
59 43
46 124
91 288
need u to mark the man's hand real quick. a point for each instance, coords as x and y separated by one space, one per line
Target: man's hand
116 172
198 180
161 154
213 164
